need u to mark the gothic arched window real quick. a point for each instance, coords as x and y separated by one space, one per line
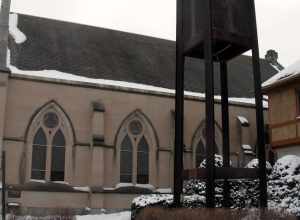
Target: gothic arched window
134 152
200 145
48 149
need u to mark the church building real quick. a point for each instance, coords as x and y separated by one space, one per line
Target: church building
87 113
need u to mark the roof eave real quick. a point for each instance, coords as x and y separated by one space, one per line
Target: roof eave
279 83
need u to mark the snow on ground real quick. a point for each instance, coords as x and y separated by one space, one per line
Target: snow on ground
114 216
289 72
14 31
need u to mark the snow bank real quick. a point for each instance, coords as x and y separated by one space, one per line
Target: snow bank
14 31
289 72
148 200
114 216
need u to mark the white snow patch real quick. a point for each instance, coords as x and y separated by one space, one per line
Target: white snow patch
120 185
146 186
164 190
289 72
246 147
243 120
13 204
114 216
255 164
287 165
82 188
14 31
61 182
38 181
248 152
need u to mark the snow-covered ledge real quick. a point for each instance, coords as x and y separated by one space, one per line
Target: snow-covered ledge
145 186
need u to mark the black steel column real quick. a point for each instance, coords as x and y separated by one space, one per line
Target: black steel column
3 186
225 129
179 107
259 114
209 105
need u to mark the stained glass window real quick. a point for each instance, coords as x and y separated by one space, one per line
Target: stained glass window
143 162
58 157
126 160
39 155
51 120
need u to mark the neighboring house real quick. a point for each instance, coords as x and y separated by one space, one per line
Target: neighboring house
283 91
87 114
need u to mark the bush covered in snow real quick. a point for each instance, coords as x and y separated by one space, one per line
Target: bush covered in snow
284 185
283 189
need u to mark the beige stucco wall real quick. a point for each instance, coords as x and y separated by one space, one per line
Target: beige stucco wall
284 118
99 166
283 104
3 96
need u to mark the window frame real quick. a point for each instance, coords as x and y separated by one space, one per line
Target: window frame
135 141
50 134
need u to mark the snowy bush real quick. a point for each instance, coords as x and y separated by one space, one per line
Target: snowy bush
283 189
284 185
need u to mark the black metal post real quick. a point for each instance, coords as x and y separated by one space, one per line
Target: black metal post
179 107
3 186
225 129
259 114
209 105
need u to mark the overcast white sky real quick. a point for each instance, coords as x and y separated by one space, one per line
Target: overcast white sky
278 20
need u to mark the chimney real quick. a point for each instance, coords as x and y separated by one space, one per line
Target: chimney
272 58
4 19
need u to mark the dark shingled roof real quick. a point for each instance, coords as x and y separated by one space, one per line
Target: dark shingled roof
115 55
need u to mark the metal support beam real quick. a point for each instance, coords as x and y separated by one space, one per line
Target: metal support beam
209 104
259 114
225 129
179 107
222 173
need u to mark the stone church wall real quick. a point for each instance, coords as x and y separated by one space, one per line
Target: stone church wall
95 162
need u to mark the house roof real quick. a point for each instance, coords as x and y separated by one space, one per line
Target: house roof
287 75
114 55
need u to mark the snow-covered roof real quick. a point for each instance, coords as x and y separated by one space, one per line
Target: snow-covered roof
96 55
291 72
